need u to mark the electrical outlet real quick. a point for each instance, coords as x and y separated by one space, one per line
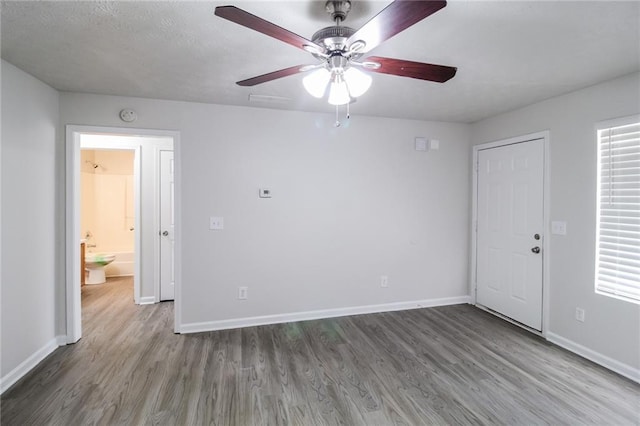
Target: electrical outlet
216 223
580 314
384 281
243 293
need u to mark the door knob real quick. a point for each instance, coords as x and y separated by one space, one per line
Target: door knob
536 249
165 233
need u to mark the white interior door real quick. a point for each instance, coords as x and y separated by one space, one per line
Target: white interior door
167 286
509 231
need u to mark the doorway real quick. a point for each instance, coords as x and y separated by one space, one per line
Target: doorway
107 213
150 209
509 226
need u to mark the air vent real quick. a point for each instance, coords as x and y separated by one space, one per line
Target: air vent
269 99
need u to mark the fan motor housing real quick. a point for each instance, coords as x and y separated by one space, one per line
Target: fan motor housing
333 38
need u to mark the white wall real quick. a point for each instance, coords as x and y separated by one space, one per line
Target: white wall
611 327
349 205
29 213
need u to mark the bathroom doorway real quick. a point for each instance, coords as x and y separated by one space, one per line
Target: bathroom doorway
108 198
135 205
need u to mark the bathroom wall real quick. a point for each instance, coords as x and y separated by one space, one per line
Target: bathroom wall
107 200
87 201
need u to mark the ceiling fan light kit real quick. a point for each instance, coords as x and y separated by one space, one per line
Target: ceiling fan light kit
345 83
339 49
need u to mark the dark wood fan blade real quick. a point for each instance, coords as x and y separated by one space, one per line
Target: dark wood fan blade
271 76
260 25
419 70
397 17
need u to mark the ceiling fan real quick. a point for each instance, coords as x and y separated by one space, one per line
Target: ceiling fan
340 49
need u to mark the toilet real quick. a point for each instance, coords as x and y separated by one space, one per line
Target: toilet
94 263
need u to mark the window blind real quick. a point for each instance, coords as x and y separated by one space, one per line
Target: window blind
618 225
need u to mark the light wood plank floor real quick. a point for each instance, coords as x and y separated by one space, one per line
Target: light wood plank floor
447 365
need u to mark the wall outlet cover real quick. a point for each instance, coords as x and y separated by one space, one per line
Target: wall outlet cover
243 293
384 281
216 223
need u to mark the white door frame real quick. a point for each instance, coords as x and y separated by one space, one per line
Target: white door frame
545 218
72 232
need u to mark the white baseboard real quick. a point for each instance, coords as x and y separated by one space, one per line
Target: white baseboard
28 364
198 327
62 340
147 300
610 363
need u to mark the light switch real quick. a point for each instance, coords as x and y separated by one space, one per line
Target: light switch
434 144
559 228
216 223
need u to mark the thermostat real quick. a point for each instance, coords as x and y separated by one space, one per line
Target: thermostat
265 193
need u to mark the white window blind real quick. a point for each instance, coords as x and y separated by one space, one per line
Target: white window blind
618 226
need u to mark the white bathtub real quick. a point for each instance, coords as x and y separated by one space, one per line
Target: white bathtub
122 266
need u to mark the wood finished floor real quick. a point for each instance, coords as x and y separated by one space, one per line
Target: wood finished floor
446 365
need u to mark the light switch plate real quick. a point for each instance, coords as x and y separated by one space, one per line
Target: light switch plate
434 144
559 227
216 223
421 144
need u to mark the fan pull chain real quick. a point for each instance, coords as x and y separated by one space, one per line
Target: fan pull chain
337 117
348 113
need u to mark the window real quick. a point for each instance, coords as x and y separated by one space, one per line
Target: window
618 211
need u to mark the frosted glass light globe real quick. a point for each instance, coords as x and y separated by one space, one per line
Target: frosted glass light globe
316 82
357 81
338 93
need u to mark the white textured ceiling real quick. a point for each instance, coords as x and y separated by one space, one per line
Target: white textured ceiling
508 53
